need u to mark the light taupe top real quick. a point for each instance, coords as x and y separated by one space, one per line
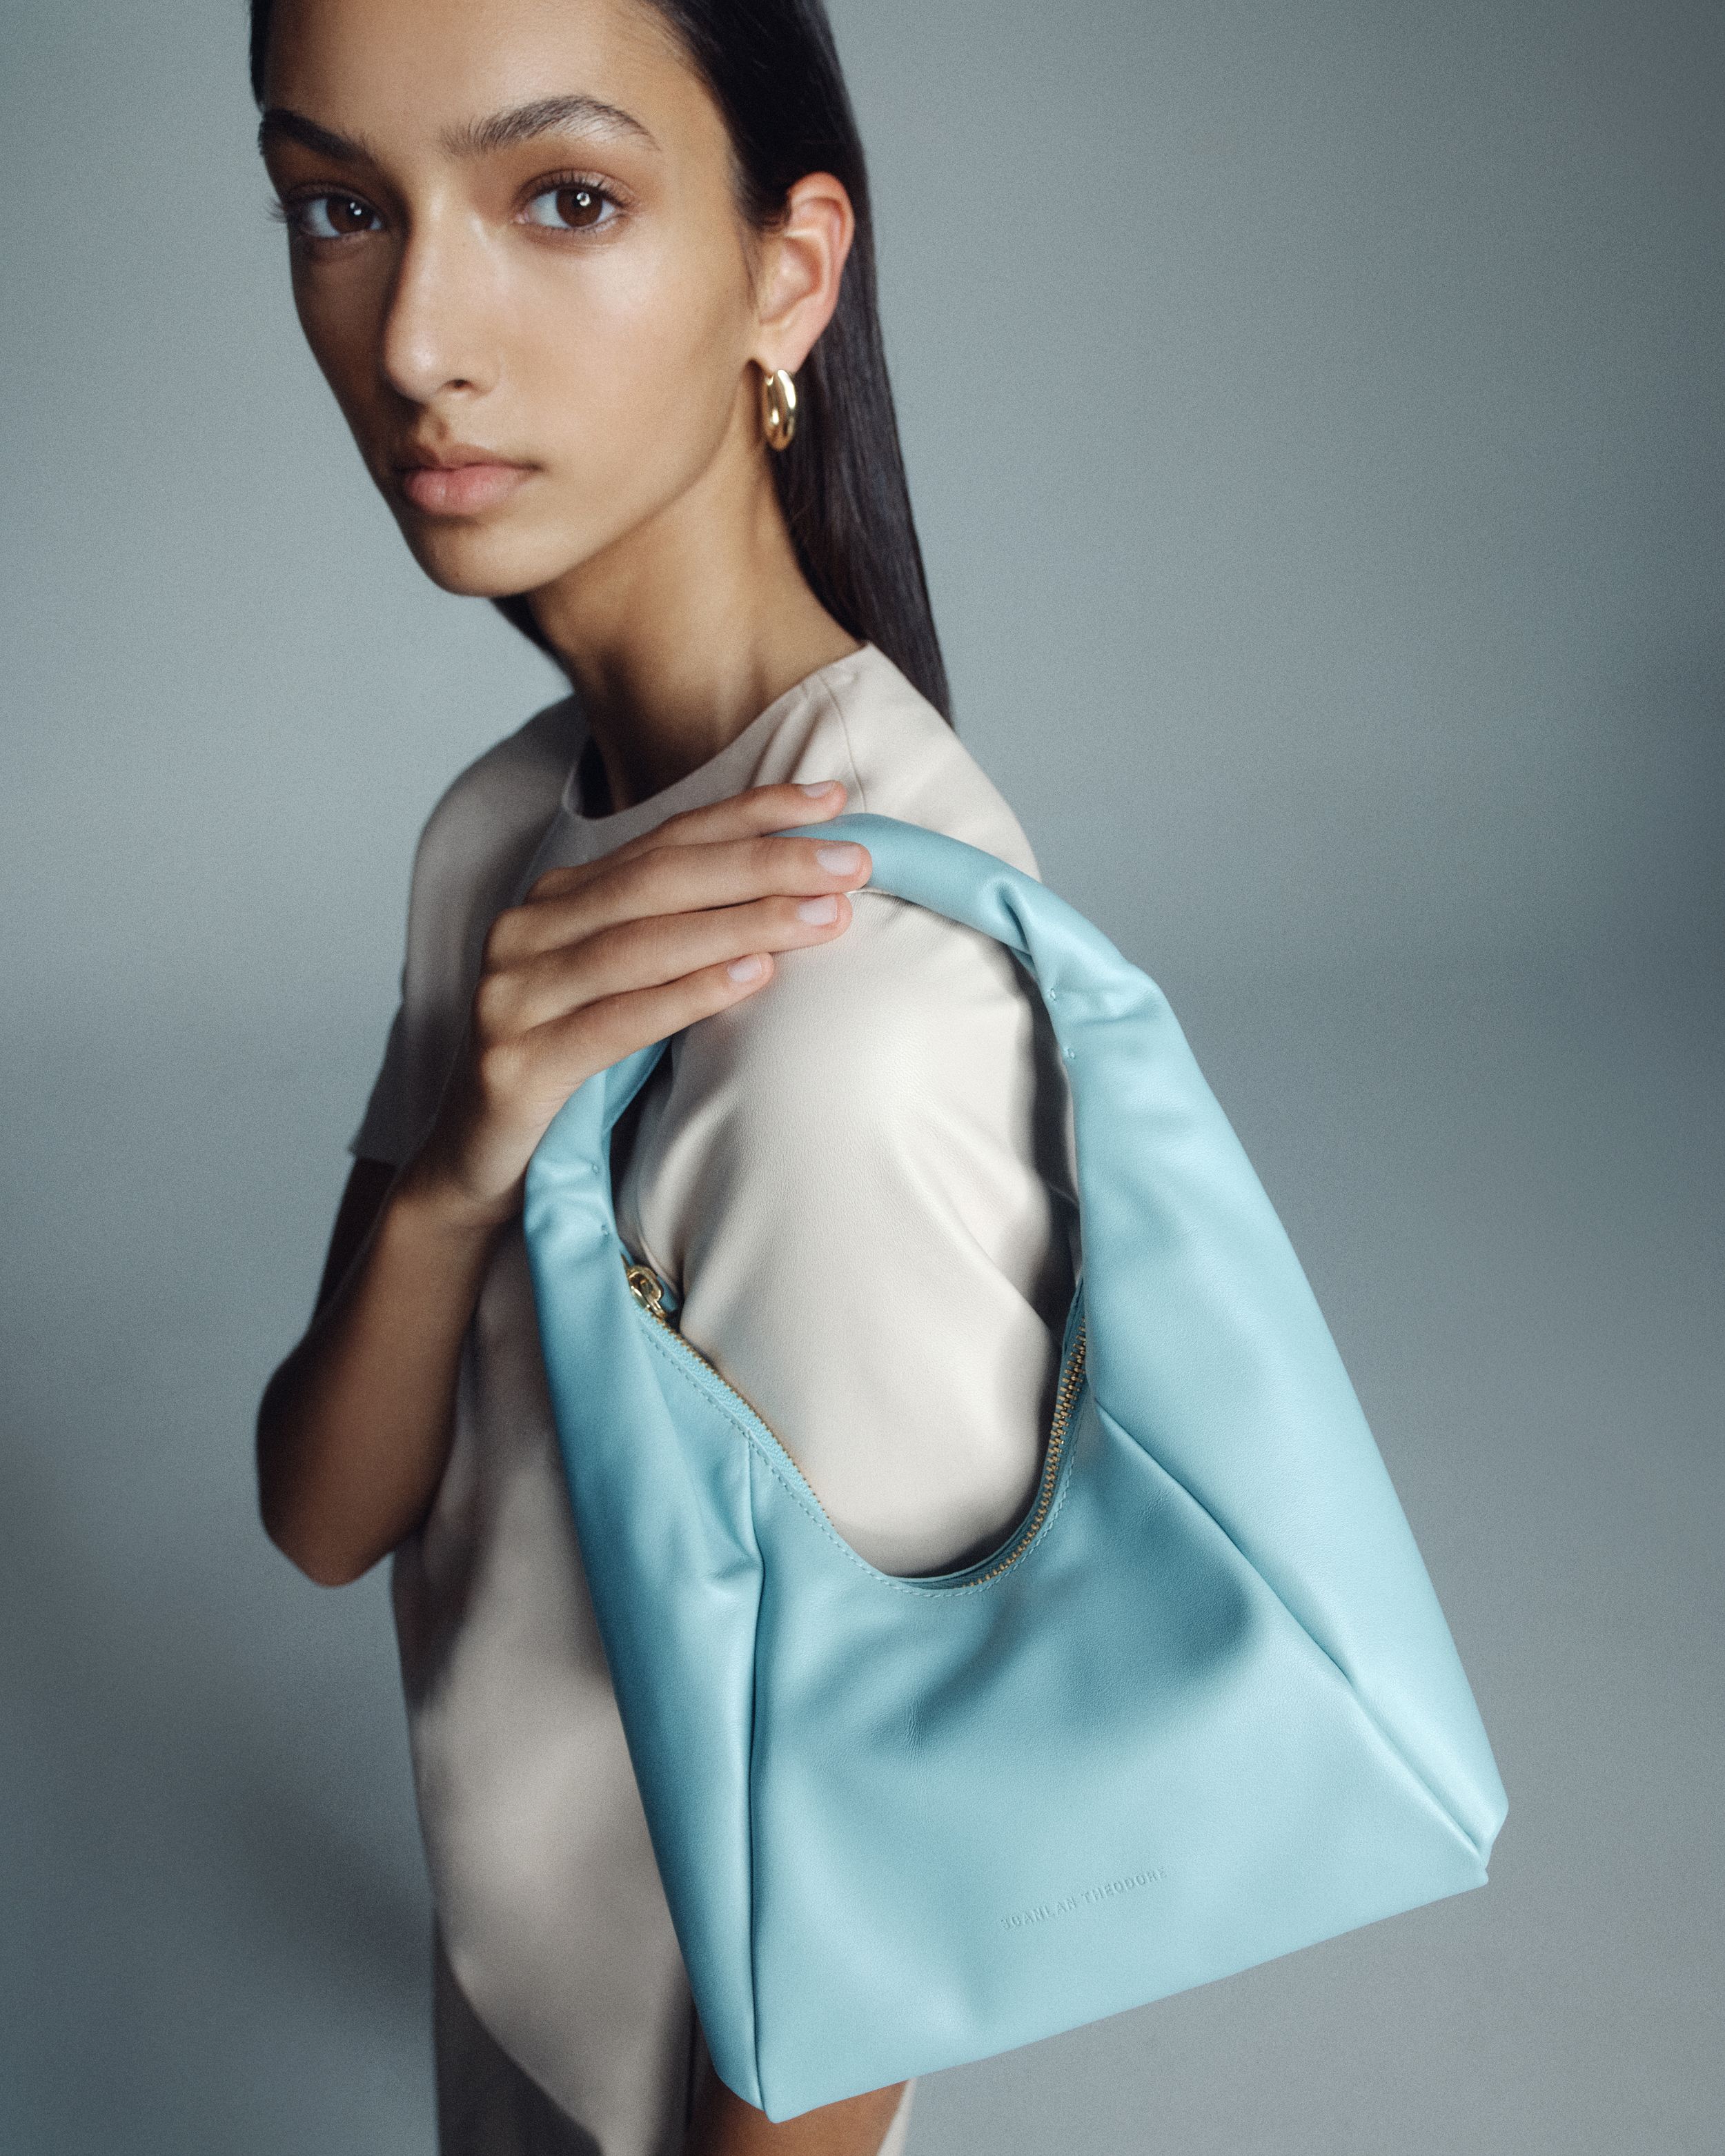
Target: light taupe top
859 1181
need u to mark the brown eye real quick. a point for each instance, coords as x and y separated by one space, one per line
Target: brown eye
576 206
331 216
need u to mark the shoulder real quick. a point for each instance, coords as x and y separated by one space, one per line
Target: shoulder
504 798
864 721
479 842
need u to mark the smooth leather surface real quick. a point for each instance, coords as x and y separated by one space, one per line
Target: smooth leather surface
1211 1714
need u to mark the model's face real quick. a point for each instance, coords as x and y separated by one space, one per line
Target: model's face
517 257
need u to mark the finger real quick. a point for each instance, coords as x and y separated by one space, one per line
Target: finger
599 1033
677 879
757 810
651 953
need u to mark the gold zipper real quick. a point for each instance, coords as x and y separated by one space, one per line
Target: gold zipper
1065 1400
648 1289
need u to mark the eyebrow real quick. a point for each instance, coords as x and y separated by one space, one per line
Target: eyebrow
545 115
478 138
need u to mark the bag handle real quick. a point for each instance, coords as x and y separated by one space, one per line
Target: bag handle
967 885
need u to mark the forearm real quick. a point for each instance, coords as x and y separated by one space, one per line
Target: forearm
354 1427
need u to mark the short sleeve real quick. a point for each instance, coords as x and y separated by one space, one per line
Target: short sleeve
477 849
385 1132
860 1183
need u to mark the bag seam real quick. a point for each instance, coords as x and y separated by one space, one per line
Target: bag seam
749 1793
700 1393
1368 1714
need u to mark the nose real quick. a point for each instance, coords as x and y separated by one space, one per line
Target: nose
439 330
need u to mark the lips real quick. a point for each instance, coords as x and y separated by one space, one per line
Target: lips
459 481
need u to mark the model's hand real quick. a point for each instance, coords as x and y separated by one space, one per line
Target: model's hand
600 960
355 1426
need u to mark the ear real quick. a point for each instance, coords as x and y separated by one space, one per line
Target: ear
801 263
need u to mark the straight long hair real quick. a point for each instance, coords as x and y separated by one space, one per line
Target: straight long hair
772 70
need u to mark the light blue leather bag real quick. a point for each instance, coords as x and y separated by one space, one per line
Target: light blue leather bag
1199 1708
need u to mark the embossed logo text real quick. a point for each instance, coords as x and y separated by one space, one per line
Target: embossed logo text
1091 1894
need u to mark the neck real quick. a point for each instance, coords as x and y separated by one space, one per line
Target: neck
681 632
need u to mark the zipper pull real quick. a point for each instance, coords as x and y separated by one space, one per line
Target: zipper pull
646 1287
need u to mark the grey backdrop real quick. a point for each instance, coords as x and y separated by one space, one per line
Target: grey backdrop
1313 412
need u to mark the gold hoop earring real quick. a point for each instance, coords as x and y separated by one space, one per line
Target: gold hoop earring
778 408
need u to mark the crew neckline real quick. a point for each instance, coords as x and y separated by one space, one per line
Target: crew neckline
695 788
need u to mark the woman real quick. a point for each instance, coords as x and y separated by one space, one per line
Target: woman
592 282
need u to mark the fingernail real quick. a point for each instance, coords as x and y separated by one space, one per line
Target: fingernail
747 970
818 909
816 785
843 860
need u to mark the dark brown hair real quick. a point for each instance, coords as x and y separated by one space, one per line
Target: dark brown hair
772 70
